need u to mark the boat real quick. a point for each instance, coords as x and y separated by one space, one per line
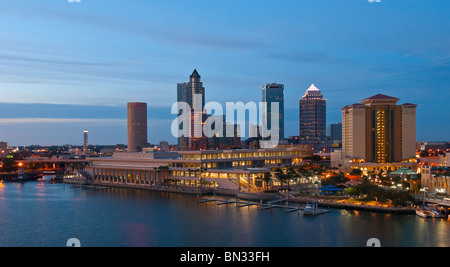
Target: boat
429 213
424 213
309 208
313 209
436 214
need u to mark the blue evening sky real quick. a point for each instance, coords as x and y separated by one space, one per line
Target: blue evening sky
65 67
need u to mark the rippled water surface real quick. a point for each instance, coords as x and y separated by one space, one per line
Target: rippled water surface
46 214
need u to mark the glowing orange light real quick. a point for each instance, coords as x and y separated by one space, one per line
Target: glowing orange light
20 164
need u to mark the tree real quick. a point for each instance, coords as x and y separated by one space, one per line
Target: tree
291 174
356 172
267 178
353 191
281 176
335 180
9 165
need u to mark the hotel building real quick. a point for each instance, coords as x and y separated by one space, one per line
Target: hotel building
379 134
241 169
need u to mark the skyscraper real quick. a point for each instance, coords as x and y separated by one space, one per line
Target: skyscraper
274 92
85 142
313 119
334 132
137 126
193 93
378 130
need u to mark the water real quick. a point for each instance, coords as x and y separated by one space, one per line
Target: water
42 214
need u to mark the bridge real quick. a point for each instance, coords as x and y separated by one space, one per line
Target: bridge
52 163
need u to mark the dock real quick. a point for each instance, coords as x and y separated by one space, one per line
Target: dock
316 212
89 187
267 206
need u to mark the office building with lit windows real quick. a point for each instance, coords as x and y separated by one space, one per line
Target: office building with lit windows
193 92
313 119
274 93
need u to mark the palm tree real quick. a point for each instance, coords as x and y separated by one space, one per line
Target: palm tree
281 176
267 178
291 174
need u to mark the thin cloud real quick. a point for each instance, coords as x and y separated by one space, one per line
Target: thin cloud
177 35
9 121
60 121
307 57
57 61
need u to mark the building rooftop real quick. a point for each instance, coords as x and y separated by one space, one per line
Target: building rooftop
380 99
409 104
195 74
381 96
356 105
404 171
313 91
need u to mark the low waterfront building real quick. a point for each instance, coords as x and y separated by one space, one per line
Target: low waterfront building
434 160
382 167
241 169
336 158
409 176
436 180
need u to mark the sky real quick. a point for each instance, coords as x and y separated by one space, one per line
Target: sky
69 66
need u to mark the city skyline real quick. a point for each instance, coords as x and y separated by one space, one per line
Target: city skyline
65 67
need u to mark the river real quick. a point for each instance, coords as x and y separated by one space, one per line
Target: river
46 214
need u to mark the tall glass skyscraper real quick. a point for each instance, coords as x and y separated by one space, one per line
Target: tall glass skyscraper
313 119
274 92
187 92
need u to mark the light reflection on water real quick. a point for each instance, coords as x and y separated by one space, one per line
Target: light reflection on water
47 214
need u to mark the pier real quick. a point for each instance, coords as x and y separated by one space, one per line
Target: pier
370 208
305 210
263 201
89 187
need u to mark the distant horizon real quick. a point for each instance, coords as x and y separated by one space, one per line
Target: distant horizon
156 144
69 66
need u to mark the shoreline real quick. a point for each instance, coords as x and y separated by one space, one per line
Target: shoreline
362 207
250 196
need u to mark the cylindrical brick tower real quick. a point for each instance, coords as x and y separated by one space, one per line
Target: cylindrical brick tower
137 126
